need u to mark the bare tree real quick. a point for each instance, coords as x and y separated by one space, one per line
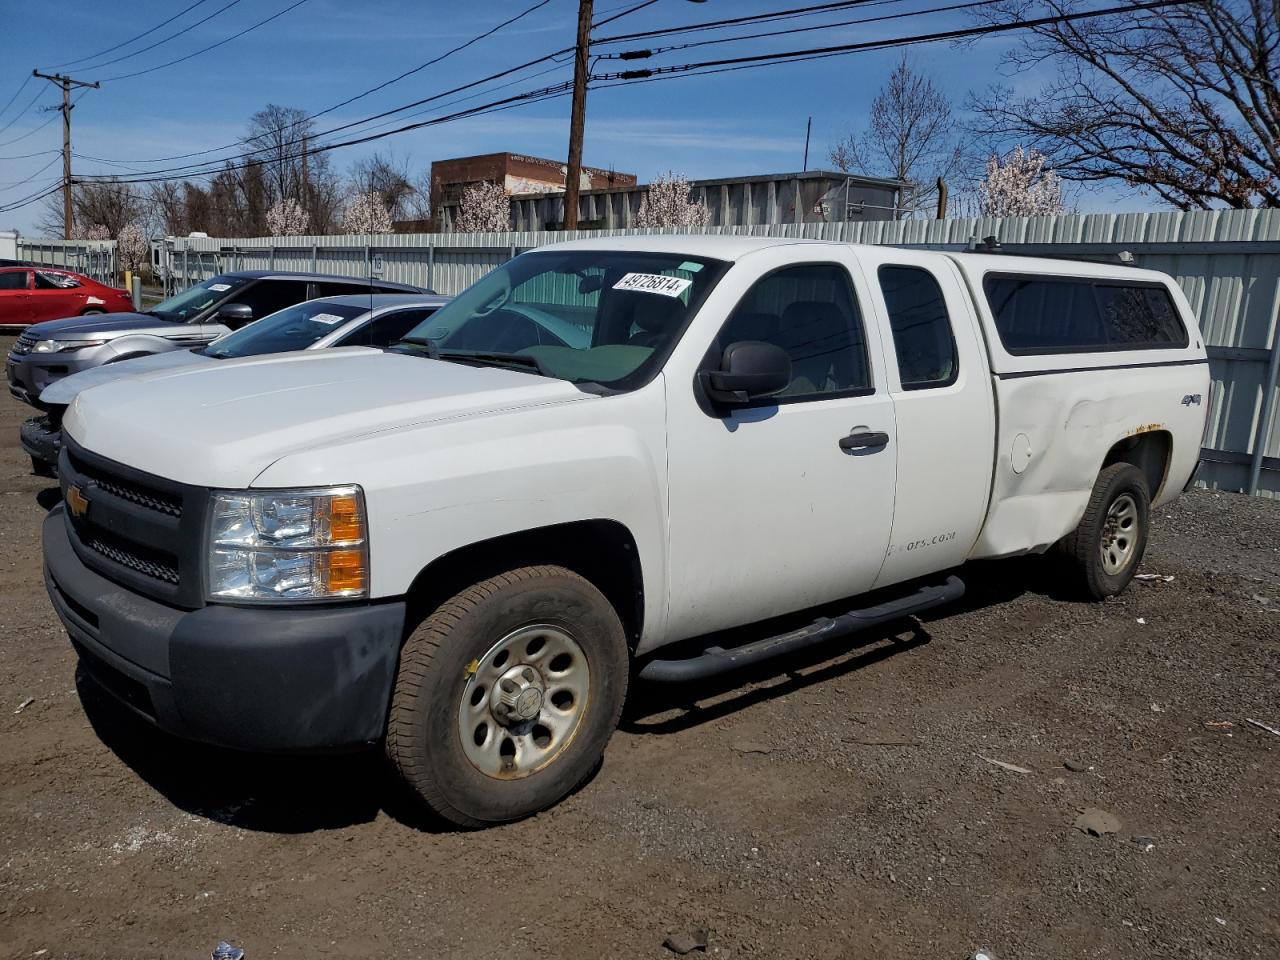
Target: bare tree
911 135
1182 101
105 202
388 177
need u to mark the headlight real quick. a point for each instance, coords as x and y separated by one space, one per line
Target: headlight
288 545
64 346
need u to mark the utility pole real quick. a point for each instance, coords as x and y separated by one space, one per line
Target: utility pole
579 116
66 83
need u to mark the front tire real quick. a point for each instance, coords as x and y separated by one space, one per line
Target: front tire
506 696
1105 550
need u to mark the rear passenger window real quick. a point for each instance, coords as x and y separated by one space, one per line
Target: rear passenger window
1037 315
922 336
810 312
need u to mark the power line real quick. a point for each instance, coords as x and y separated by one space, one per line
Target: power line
164 40
18 183
212 46
422 66
240 143
355 123
624 13
125 43
17 93
31 132
818 53
655 51
19 115
28 156
33 198
532 96
738 21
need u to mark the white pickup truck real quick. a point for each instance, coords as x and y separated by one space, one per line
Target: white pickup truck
463 547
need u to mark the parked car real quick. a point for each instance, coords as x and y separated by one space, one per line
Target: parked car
49 351
367 321
462 553
33 294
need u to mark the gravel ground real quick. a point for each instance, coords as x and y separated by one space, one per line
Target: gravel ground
844 805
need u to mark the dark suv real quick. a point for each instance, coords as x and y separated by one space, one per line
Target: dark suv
58 348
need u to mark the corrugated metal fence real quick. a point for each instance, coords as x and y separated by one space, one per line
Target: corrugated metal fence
1227 261
91 258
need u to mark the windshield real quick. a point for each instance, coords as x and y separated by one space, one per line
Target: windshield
191 301
587 316
293 328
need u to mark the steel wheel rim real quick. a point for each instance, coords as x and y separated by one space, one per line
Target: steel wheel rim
1119 534
523 701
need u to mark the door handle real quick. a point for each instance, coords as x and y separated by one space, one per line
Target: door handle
864 439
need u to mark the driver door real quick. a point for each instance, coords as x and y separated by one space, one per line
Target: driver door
786 502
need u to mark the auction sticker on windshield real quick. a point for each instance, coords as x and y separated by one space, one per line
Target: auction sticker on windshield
327 318
653 283
219 287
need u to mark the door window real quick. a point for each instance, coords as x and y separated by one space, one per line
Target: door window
810 312
14 280
268 296
387 328
922 337
55 281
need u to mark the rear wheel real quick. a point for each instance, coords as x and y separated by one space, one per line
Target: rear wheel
92 312
507 694
1105 550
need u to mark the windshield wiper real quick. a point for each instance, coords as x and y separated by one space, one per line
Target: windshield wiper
510 359
433 351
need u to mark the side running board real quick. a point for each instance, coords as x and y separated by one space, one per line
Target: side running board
716 660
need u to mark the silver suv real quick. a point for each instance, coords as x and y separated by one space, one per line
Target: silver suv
49 351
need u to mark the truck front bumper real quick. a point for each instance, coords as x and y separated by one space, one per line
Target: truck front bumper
249 678
41 440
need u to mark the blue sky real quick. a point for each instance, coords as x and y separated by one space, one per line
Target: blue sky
746 122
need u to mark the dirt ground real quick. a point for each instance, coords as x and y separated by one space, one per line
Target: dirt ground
843 805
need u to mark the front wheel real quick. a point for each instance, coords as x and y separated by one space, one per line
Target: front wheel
507 694
1105 550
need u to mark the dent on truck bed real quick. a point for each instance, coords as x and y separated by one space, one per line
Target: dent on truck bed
1056 431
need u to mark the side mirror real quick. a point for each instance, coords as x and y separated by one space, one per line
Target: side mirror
748 369
234 315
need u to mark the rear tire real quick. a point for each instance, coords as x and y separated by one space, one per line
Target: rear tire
506 696
1105 550
92 313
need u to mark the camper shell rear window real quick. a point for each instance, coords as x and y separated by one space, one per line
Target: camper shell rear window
1041 314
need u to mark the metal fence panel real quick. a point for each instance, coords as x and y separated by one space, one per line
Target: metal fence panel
1227 262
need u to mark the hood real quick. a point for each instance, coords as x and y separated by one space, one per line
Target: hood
82 328
62 392
221 424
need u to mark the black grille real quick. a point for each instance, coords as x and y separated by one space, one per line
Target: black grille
143 531
133 492
129 556
22 347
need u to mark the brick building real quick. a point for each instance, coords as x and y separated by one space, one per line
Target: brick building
518 174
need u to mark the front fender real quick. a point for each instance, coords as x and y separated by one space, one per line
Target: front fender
436 488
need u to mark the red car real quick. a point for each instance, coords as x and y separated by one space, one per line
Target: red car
32 294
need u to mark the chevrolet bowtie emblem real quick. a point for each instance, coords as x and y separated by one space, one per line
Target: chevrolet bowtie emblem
76 502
